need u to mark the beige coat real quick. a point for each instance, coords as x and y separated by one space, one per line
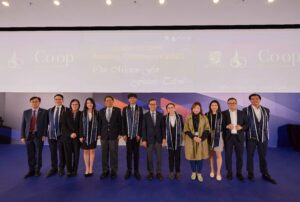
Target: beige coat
193 150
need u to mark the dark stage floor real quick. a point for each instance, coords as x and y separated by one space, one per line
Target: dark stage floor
284 166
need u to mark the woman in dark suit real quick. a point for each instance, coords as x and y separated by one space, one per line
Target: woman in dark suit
71 124
173 129
89 134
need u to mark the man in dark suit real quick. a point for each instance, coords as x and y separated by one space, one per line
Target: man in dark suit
257 135
152 138
132 121
33 134
55 138
110 127
234 125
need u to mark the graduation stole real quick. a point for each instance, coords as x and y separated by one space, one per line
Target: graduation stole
93 133
132 121
252 123
178 129
218 128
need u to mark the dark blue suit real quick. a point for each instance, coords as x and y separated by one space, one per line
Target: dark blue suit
34 143
152 133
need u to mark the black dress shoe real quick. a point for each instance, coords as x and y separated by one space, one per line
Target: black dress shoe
61 172
137 175
37 173
113 175
171 176
268 178
240 176
251 176
29 174
177 176
229 176
127 175
104 175
150 176
69 174
159 176
51 172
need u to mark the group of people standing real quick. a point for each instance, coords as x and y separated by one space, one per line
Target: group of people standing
205 136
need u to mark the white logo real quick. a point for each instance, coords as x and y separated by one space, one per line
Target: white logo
237 61
14 62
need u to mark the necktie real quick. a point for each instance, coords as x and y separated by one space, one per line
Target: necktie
153 117
33 122
56 120
108 115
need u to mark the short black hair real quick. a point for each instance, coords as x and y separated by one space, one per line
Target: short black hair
132 95
75 100
59 95
35 97
108 96
170 103
232 98
254 94
151 99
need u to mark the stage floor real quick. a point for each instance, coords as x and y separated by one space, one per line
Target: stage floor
284 165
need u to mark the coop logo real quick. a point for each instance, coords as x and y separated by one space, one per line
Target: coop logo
15 62
61 59
238 61
271 57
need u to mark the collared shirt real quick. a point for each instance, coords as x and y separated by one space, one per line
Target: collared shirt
172 120
132 107
153 116
108 113
36 112
257 111
233 118
36 116
59 111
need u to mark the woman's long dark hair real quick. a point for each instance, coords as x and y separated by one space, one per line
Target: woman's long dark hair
85 103
219 107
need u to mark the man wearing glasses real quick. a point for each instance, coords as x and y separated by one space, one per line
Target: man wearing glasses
234 125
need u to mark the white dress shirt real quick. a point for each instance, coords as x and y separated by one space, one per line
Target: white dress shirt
172 120
233 118
257 111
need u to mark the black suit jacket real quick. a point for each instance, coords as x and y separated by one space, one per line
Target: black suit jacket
61 117
152 133
41 123
71 125
241 120
124 120
112 129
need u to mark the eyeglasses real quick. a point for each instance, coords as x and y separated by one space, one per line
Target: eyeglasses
232 103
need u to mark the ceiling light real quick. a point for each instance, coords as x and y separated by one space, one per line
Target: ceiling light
161 2
5 3
56 3
108 2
